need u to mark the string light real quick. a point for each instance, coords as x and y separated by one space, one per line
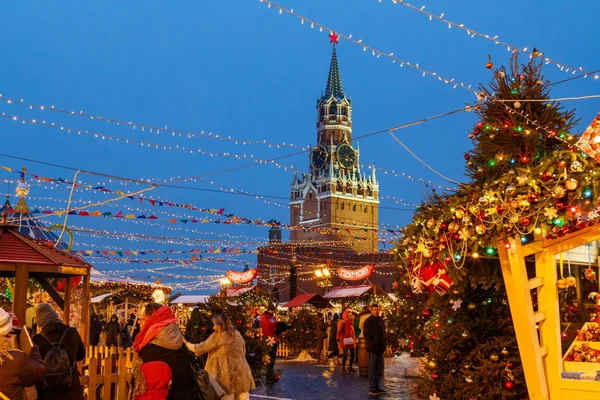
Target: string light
102 136
151 128
375 52
473 33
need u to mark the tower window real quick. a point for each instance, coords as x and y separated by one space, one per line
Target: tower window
344 111
354 207
366 209
342 205
333 108
321 111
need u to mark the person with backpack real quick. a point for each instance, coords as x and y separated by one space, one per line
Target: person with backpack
61 348
17 369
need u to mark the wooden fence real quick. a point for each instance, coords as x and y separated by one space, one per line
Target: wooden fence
108 373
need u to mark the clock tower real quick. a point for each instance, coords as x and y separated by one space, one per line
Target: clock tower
335 200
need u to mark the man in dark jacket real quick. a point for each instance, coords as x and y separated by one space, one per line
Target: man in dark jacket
112 329
374 333
321 334
52 332
95 330
17 369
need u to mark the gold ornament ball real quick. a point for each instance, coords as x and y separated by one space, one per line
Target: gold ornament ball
560 191
522 180
468 379
460 213
504 352
571 184
510 190
590 275
480 229
517 104
455 292
562 283
427 253
471 306
576 166
571 281
494 357
432 364
453 227
483 201
465 334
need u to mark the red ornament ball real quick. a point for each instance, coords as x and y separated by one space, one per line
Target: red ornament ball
444 227
510 365
435 376
427 314
277 377
525 221
546 176
500 210
509 385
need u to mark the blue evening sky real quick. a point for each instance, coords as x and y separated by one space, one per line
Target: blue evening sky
237 68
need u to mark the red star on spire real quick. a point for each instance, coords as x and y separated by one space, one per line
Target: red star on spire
333 38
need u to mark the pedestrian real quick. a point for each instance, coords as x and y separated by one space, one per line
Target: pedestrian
125 340
112 330
160 340
61 348
95 330
374 333
226 361
347 340
268 323
359 321
321 334
18 370
332 348
158 378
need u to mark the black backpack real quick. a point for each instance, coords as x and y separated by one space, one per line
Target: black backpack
59 371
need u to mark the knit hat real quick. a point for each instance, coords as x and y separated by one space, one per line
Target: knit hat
270 307
45 314
6 325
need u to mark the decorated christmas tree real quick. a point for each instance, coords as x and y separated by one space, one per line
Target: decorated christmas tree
301 333
406 322
472 348
530 176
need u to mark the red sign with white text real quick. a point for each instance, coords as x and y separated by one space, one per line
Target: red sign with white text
242 277
356 274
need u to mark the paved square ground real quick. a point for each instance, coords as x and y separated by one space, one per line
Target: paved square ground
307 380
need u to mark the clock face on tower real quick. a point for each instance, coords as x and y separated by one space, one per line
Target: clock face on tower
346 156
318 157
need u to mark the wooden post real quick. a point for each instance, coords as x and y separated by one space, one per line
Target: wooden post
122 380
19 305
67 310
85 311
514 272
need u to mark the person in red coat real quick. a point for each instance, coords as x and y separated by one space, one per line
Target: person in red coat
347 339
268 323
159 378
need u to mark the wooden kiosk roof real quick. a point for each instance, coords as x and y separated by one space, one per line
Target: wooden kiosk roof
23 258
16 248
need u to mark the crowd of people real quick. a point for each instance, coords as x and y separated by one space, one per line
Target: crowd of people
342 337
162 366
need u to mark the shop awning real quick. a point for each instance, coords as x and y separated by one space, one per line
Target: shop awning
190 299
341 292
99 298
313 299
239 290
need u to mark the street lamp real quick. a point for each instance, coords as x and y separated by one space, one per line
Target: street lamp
322 275
225 283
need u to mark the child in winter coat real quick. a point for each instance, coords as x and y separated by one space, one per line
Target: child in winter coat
158 377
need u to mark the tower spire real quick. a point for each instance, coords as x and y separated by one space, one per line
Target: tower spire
334 80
